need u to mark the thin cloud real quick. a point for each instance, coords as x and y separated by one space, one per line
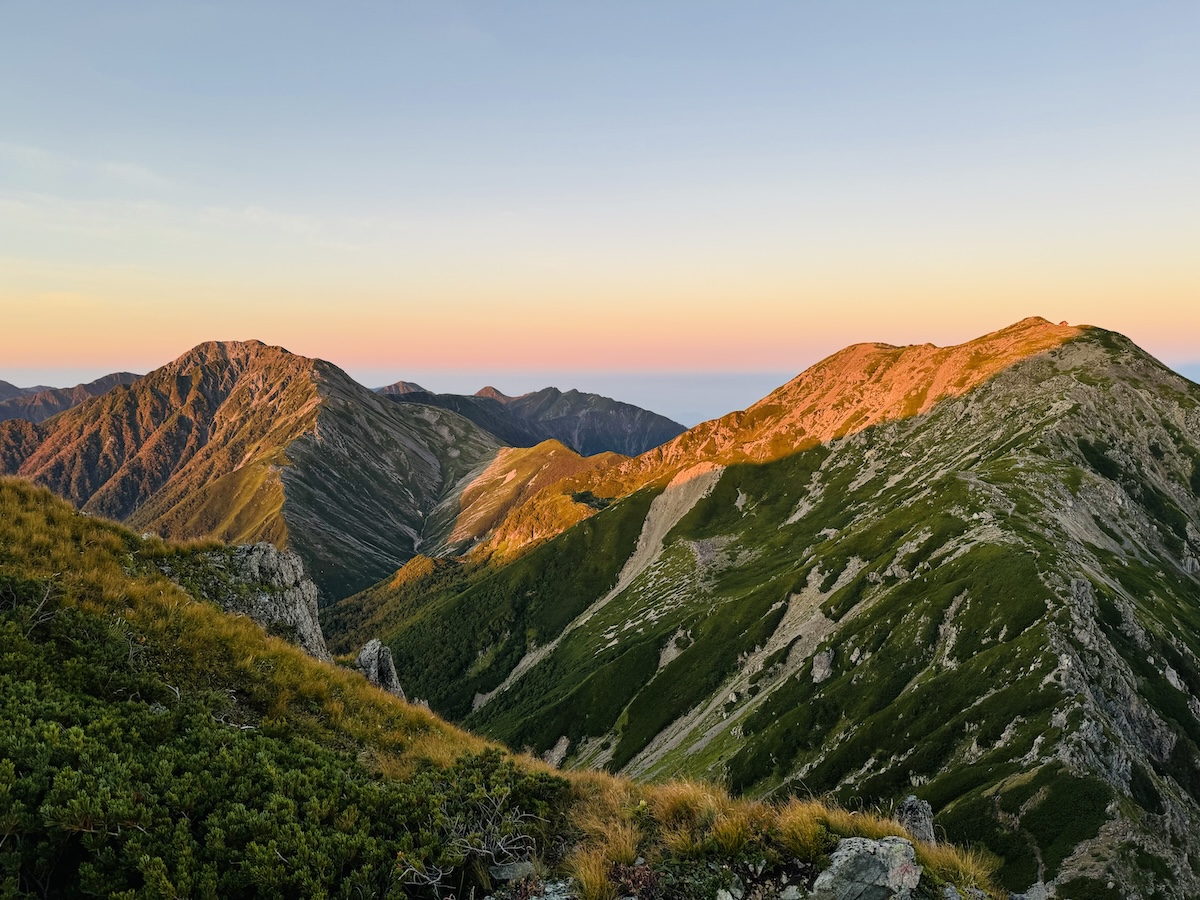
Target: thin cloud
29 161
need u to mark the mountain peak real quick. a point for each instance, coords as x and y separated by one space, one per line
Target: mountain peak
493 394
230 347
402 387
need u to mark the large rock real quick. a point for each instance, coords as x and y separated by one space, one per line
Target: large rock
281 596
863 869
917 816
259 581
375 662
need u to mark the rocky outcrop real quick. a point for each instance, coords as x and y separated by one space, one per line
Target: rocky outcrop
375 662
281 595
863 869
260 581
917 816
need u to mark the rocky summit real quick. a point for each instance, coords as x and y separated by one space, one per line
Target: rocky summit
968 574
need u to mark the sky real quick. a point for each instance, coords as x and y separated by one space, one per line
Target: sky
676 203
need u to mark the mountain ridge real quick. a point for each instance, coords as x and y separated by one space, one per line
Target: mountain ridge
827 400
587 423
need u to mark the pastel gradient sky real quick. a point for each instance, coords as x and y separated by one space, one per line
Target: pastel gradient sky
520 190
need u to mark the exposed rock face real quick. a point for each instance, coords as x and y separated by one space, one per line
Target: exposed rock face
917 816
281 595
375 662
822 666
862 869
260 581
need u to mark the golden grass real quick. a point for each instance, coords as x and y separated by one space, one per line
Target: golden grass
741 824
589 867
802 830
963 868
693 804
863 824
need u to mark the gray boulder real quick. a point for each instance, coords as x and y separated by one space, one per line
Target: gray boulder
917 816
281 594
259 581
950 892
863 869
511 871
375 662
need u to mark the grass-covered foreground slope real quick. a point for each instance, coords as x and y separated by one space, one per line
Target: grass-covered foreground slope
993 604
153 746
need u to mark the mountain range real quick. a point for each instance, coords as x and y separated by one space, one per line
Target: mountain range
587 423
40 403
243 442
968 573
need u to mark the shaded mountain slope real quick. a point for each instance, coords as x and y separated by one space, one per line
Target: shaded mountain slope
486 412
981 585
587 423
37 406
155 746
8 391
245 442
590 423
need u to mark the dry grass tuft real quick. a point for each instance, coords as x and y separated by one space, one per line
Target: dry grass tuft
682 842
740 824
802 830
692 804
589 867
963 868
863 824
